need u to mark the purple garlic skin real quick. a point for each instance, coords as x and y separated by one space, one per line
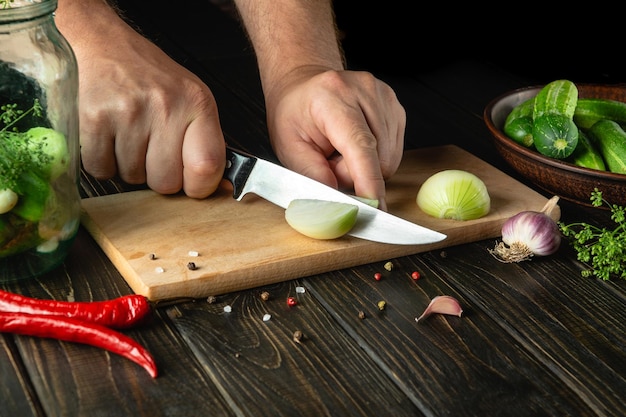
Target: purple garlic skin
534 229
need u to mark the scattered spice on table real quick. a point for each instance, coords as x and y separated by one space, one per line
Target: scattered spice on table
297 336
265 296
382 305
388 266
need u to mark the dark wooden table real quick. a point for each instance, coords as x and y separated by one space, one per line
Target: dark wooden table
535 339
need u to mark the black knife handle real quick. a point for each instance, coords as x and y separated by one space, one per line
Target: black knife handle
238 168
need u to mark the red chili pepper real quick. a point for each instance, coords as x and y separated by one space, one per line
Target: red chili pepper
121 312
72 330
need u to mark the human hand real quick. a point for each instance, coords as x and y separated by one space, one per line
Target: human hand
343 128
142 115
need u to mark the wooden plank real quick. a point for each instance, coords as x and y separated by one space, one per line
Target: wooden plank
264 372
232 237
16 392
508 350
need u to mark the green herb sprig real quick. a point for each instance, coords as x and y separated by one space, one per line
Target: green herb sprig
602 249
18 154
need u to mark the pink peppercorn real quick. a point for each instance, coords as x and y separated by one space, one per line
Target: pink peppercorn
291 301
378 276
415 275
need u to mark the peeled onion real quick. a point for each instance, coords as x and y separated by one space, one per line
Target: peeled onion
454 194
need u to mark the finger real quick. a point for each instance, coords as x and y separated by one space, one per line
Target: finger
307 159
359 163
97 147
204 156
131 146
386 119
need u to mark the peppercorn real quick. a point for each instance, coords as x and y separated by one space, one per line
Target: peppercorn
415 275
361 314
378 276
211 299
297 336
192 266
291 301
265 296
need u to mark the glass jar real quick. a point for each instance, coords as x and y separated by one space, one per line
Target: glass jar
39 145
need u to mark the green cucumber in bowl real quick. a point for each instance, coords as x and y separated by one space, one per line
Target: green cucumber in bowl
589 110
555 135
587 154
519 123
610 139
558 97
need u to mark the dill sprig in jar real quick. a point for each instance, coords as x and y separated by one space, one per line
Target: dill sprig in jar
39 145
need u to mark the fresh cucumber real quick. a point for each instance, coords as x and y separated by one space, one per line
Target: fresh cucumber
586 154
555 135
610 139
590 110
519 123
557 97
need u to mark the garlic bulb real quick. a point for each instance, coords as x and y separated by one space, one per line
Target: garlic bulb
528 234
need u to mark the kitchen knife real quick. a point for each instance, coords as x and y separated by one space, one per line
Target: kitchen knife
279 185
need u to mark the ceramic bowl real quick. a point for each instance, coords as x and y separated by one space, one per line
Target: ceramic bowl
568 181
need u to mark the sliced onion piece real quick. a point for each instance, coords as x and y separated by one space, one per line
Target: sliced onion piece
321 219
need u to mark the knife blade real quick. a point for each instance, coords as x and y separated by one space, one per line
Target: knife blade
279 185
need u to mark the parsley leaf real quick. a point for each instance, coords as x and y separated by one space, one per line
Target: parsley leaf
602 249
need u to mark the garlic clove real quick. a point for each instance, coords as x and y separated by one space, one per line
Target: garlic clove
442 304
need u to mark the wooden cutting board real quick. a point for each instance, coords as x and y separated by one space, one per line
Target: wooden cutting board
245 244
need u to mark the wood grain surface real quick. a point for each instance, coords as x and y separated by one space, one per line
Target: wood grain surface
246 244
